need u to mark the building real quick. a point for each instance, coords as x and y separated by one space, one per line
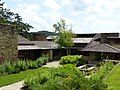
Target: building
26 49
92 46
80 42
34 49
8 43
39 37
103 46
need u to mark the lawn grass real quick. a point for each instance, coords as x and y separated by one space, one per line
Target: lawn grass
12 78
113 80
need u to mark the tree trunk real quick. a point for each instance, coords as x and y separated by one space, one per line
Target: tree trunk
68 51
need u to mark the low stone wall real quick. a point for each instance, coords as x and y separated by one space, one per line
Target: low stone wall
8 43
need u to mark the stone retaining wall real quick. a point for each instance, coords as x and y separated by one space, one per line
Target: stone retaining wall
8 43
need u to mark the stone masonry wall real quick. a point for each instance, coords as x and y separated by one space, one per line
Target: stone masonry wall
8 43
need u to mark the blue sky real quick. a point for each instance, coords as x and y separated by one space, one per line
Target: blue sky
85 16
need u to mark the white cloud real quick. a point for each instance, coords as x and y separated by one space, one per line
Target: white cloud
102 5
97 16
17 0
30 14
52 4
85 15
29 6
66 2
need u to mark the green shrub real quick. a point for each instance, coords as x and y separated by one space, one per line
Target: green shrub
97 83
21 65
32 64
2 70
38 79
104 69
72 59
45 58
9 68
42 60
67 77
97 77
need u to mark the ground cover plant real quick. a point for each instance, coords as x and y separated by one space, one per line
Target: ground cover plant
12 67
72 59
67 77
12 78
103 70
113 79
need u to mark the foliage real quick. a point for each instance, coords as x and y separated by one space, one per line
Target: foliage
12 78
21 64
64 38
101 74
72 59
104 69
10 18
32 64
113 79
67 77
42 60
11 67
98 84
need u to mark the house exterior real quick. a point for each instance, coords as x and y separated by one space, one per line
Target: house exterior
34 49
8 43
26 49
80 42
92 46
103 46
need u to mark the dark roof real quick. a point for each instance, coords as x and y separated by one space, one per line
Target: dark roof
25 44
81 40
102 48
45 33
114 37
28 47
86 35
96 46
24 41
46 44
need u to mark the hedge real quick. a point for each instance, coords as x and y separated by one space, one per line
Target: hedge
72 59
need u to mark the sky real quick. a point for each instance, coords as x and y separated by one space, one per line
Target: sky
85 16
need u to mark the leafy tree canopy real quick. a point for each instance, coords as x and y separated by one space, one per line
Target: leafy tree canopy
10 18
64 38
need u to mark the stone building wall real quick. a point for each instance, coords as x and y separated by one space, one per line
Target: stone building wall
8 43
39 37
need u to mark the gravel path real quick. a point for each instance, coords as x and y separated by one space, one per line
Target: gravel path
14 86
54 64
19 85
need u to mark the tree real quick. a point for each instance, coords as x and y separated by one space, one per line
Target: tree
65 35
10 18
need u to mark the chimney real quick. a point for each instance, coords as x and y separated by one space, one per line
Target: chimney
104 38
39 37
